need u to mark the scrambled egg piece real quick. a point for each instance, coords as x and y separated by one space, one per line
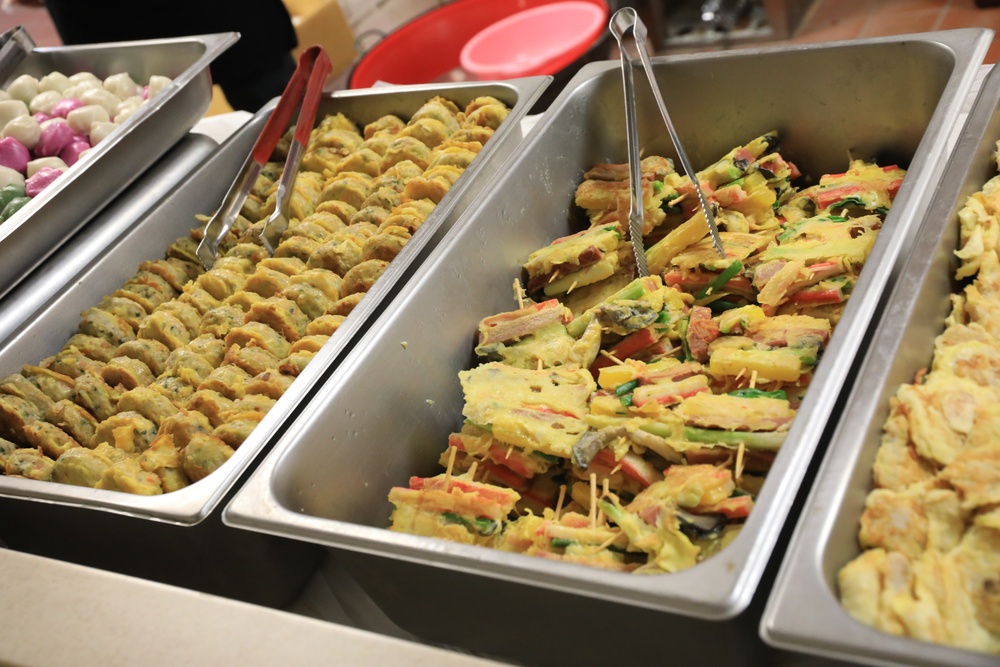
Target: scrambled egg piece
930 568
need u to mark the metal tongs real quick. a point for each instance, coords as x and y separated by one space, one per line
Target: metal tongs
306 85
623 22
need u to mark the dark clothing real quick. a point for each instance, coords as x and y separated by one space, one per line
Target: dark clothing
250 73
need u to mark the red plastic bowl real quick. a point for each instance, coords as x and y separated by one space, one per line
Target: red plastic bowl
429 46
536 41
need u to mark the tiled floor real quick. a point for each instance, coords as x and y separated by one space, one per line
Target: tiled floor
850 19
825 20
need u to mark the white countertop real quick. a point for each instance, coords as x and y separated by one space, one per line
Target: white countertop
60 614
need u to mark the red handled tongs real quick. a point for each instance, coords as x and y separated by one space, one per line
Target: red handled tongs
306 85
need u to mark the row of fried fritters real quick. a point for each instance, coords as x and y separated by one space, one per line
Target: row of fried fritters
168 375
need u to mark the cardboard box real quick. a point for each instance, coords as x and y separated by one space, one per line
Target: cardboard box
322 22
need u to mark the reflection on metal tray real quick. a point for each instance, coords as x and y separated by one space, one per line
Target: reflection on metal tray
826 536
106 535
31 234
386 412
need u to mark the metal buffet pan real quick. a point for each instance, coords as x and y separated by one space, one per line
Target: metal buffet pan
804 612
386 413
32 233
149 535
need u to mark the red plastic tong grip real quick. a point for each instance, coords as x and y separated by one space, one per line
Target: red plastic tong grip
313 67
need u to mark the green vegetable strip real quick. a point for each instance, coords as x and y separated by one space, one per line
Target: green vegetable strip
757 393
720 281
766 441
626 387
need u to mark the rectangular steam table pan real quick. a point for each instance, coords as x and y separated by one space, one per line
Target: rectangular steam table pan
804 612
386 412
34 232
45 319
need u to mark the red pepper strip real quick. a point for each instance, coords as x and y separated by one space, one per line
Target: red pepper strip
818 296
487 491
825 198
626 348
667 398
695 281
507 477
510 458
737 507
631 465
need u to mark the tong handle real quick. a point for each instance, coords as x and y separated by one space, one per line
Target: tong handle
220 223
636 213
278 122
278 222
623 20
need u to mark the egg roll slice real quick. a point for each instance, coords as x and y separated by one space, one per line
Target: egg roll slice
204 455
127 431
363 161
295 362
389 123
80 466
56 386
74 419
148 402
187 365
244 300
234 433
18 385
325 325
104 324
210 403
98 396
52 440
281 315
298 247
164 327
176 272
163 459
211 348
127 309
228 380
252 359
29 463
185 312
201 300
347 304
72 363
152 353
406 149
428 131
128 477
175 389
385 245
338 255
127 372
144 295
270 383
91 347
266 282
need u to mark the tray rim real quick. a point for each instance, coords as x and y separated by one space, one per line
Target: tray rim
800 576
719 596
191 505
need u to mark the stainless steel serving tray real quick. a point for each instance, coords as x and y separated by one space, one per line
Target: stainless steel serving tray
41 322
31 234
386 412
804 612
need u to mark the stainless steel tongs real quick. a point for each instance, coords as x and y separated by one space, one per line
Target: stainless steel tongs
625 21
306 85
